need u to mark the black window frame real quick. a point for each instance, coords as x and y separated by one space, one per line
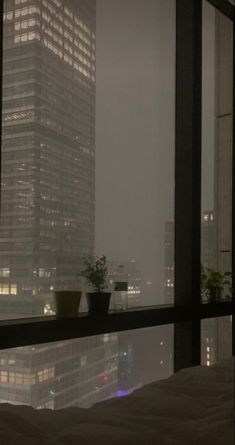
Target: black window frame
188 311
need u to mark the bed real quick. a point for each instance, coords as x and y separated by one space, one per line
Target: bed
194 406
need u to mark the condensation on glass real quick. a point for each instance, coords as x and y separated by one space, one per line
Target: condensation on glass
217 132
216 340
85 371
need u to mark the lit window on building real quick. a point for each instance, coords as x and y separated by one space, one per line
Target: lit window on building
3 377
4 289
45 374
5 272
13 290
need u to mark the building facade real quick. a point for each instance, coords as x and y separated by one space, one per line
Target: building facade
126 277
47 222
48 198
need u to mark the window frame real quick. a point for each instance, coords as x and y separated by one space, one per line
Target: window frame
188 310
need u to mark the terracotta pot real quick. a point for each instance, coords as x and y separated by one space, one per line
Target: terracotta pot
67 303
98 302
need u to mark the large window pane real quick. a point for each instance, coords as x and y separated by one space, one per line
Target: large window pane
85 371
87 148
135 137
217 130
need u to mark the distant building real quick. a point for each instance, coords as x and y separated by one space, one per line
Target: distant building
169 262
208 240
126 273
212 329
68 373
208 250
216 333
208 260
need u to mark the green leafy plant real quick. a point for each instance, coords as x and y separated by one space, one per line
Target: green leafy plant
95 271
213 282
203 278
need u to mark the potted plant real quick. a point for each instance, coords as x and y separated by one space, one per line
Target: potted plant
95 272
213 283
67 303
203 284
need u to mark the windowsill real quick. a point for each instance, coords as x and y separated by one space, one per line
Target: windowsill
36 330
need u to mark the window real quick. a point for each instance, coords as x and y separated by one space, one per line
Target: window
86 371
3 377
70 107
217 143
97 159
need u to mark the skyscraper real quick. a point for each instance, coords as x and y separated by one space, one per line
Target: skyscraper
48 156
47 215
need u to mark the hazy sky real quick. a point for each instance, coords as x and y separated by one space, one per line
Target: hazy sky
208 105
135 132
135 125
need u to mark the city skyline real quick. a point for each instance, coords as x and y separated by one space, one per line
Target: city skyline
88 168
48 214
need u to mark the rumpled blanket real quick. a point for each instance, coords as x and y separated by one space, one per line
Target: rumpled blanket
195 406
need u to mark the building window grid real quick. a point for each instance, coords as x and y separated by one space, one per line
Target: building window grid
82 43
17 378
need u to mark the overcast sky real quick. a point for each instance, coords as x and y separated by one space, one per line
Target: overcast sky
135 125
208 105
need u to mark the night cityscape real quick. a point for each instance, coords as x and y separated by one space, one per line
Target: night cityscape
78 171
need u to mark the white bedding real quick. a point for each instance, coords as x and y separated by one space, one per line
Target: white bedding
195 406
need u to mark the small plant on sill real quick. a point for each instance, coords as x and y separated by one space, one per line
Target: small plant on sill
213 283
95 272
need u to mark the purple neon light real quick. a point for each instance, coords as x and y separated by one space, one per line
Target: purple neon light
122 393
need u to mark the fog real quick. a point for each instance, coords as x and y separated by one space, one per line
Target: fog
135 124
208 106
135 120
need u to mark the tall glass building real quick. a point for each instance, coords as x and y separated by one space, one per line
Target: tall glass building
47 215
48 158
